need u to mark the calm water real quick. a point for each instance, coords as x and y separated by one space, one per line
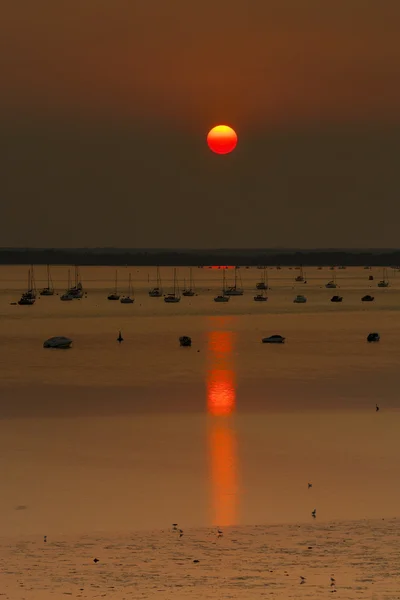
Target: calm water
143 434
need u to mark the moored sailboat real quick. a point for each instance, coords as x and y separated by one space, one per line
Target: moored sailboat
114 295
222 297
128 299
175 296
49 290
189 291
157 291
234 290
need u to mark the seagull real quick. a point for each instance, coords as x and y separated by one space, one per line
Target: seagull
220 533
180 533
376 407
45 538
95 560
302 579
333 580
309 485
314 513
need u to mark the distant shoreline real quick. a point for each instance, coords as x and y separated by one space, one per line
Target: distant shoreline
188 257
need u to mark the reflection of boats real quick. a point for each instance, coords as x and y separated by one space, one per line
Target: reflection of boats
157 291
58 342
175 296
300 277
263 284
222 297
128 299
273 339
234 290
261 297
28 297
336 299
373 337
300 299
332 284
367 298
114 295
189 291
49 290
185 340
384 283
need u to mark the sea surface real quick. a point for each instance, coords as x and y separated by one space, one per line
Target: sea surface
139 435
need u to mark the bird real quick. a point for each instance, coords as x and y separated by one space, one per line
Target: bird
309 485
314 513
45 538
376 407
333 580
95 560
120 338
302 579
219 533
180 533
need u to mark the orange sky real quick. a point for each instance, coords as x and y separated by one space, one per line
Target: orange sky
105 106
201 61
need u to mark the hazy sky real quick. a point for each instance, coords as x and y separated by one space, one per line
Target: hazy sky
105 106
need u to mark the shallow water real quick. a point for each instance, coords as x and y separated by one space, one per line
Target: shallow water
145 433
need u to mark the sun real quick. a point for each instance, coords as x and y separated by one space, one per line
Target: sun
222 139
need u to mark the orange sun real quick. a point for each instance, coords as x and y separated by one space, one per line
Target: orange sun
222 139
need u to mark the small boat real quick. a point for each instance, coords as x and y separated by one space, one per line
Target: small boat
260 298
234 290
157 291
175 296
28 298
373 337
185 341
222 297
384 283
76 291
263 284
332 284
336 299
300 299
128 299
49 290
300 278
370 278
67 296
273 339
367 298
114 295
58 342
189 291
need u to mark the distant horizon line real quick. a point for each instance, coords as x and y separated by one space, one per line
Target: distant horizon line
236 249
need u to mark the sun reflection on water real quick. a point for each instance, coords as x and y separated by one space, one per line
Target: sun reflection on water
221 400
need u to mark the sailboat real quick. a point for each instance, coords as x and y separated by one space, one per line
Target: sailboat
189 291
128 298
332 284
76 291
157 292
300 277
384 283
175 296
49 290
114 295
28 297
234 290
261 297
263 284
222 297
67 296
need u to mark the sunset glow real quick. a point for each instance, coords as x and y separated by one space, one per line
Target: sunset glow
222 139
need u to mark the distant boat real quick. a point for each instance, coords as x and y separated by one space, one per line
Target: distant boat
300 278
273 339
373 337
263 284
261 297
300 299
114 295
384 283
367 298
28 298
175 296
67 296
58 342
189 291
234 290
157 291
128 299
49 290
336 299
332 284
222 297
